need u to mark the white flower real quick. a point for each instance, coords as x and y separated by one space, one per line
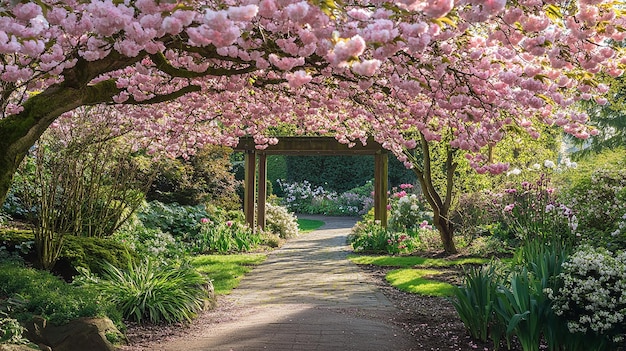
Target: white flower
514 171
549 164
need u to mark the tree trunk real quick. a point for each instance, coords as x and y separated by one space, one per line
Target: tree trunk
18 133
441 206
446 233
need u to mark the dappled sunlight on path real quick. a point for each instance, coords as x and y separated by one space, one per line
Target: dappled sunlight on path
306 296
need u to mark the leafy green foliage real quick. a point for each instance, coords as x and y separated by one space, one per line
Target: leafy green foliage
11 330
597 193
173 218
474 301
46 295
148 291
370 237
150 242
92 252
522 309
225 237
226 270
202 179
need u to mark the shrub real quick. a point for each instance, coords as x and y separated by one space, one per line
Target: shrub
92 252
180 221
149 242
592 299
408 211
280 221
46 295
203 178
158 293
371 237
599 199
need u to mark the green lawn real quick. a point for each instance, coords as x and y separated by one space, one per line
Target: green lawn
226 270
309 225
415 261
417 281
413 276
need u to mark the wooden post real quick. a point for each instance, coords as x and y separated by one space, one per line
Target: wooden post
249 186
381 173
260 219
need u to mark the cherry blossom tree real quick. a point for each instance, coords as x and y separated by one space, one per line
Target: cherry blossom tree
411 73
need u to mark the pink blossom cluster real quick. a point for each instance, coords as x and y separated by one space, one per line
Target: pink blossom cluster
187 74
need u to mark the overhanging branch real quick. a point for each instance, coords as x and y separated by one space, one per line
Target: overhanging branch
165 97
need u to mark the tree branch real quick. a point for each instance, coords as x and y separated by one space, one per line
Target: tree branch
165 97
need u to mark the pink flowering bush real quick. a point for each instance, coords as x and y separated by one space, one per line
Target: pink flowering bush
407 209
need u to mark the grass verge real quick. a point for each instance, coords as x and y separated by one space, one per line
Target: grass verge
417 281
309 225
415 261
414 275
226 270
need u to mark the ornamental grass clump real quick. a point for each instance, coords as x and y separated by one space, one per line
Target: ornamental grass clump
152 292
592 299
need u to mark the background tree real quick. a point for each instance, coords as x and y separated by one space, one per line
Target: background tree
204 178
608 115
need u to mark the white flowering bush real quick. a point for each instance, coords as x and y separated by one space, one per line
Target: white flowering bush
306 198
592 299
599 200
280 221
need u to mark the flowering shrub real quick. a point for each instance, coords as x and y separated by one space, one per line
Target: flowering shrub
370 236
600 203
407 211
303 198
593 297
280 221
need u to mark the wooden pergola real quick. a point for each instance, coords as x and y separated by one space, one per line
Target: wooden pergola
307 146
